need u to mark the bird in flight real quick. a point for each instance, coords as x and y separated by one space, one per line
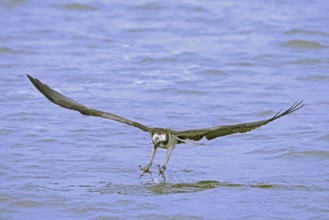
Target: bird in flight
161 137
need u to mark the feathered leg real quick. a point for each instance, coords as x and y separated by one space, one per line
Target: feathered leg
164 166
146 169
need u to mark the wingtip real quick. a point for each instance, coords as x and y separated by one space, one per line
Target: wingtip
37 83
296 106
31 78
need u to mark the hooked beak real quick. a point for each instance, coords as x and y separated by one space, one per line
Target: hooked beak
157 144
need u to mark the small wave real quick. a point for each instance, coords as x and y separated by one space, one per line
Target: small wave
314 78
303 44
325 137
6 50
301 154
216 72
79 7
5 131
307 61
307 32
151 82
149 7
266 113
47 140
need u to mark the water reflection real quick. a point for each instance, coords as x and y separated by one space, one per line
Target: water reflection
171 188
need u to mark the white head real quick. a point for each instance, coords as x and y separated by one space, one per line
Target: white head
160 139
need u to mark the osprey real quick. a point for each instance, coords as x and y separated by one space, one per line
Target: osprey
161 137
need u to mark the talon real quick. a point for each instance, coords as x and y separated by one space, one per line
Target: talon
145 169
161 172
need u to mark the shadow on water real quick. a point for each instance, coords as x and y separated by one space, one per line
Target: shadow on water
170 188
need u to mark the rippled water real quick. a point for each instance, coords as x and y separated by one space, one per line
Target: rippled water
178 64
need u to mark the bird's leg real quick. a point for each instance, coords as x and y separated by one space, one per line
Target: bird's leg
146 169
163 167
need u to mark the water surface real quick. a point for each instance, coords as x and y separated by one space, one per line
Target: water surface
181 65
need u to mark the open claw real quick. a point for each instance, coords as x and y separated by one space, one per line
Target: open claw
145 169
161 172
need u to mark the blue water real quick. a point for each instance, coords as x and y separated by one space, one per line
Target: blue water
177 64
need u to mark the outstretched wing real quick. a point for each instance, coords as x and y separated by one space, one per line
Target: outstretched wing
214 132
65 102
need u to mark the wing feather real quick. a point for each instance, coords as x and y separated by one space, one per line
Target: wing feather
218 131
65 102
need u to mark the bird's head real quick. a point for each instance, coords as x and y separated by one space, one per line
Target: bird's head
160 139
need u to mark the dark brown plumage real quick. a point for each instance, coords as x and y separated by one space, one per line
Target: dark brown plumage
161 137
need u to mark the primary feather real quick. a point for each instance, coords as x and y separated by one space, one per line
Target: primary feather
218 131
